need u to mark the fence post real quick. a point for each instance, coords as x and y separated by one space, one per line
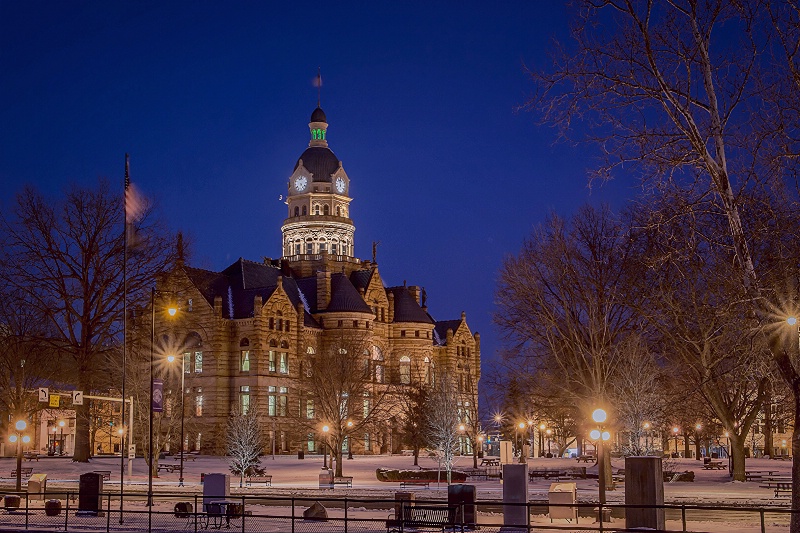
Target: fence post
27 514
763 527
108 513
150 510
345 515
243 512
196 515
66 512
683 516
292 514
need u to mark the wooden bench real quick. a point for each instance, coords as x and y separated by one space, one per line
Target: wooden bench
586 458
423 516
476 473
105 473
490 462
343 480
168 467
30 456
783 488
711 465
415 483
546 474
25 470
185 457
265 479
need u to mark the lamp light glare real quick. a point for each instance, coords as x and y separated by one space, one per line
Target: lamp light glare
606 435
61 423
172 311
21 425
26 439
522 425
171 358
594 434
12 438
599 416
325 429
791 320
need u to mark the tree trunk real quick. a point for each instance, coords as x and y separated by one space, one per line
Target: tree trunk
474 454
338 467
737 456
698 447
416 455
766 407
82 451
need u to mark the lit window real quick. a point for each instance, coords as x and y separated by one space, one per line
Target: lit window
310 440
284 363
283 400
244 399
334 248
405 370
198 405
198 362
309 248
379 373
271 361
309 409
271 401
244 361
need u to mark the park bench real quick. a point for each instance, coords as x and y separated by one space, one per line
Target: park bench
476 473
25 470
343 480
30 456
783 488
262 478
546 474
490 462
185 457
586 458
105 473
711 465
423 517
168 467
415 483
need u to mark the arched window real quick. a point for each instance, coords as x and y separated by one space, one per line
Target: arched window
338 211
405 370
326 210
193 353
244 342
426 375
316 209
283 358
296 211
311 351
304 211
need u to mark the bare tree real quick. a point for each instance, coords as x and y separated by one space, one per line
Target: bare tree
340 391
66 257
245 443
443 420
663 91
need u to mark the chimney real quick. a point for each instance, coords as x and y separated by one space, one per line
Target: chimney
323 290
391 307
258 303
218 306
415 292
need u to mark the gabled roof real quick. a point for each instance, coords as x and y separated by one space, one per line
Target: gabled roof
406 308
361 278
345 297
440 330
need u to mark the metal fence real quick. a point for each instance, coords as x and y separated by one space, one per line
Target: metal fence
58 511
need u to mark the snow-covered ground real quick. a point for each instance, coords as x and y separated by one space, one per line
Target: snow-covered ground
299 478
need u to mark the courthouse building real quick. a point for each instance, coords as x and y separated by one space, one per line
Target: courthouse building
247 329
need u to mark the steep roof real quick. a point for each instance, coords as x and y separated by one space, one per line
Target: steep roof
320 161
406 308
440 330
360 278
345 297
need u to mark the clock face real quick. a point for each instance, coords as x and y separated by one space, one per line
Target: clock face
300 183
340 185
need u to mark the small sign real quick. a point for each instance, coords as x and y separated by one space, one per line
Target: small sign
131 451
55 400
44 394
77 397
158 396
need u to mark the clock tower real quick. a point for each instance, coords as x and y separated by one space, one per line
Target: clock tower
318 228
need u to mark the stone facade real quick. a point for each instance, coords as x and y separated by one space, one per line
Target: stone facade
245 332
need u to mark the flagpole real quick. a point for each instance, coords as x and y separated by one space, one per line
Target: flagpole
123 450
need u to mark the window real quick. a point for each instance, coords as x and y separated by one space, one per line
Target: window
272 401
338 211
405 370
187 363
198 362
366 442
297 248
416 333
284 363
189 305
355 323
198 405
426 376
283 400
296 211
244 399
326 210
402 333
310 442
316 209
334 248
379 373
309 248
271 360
309 409
304 211
366 405
244 361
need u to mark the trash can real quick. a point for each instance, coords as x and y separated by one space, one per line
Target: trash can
11 501
52 507
301 454
326 479
560 496
37 485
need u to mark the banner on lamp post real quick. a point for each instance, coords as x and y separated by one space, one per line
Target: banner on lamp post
158 395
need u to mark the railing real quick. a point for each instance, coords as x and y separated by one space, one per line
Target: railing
250 513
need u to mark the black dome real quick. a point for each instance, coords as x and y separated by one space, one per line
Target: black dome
320 161
318 115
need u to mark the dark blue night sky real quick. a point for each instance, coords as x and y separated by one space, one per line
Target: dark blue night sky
212 101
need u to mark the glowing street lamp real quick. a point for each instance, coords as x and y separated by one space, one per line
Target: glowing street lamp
521 426
698 428
646 427
61 425
349 447
172 359
325 430
599 435
542 427
19 438
530 436
675 432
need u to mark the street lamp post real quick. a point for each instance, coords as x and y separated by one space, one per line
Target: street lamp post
530 437
599 435
171 310
171 359
19 438
728 453
349 446
542 427
62 447
675 431
461 429
521 426
549 432
325 430
646 427
698 435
